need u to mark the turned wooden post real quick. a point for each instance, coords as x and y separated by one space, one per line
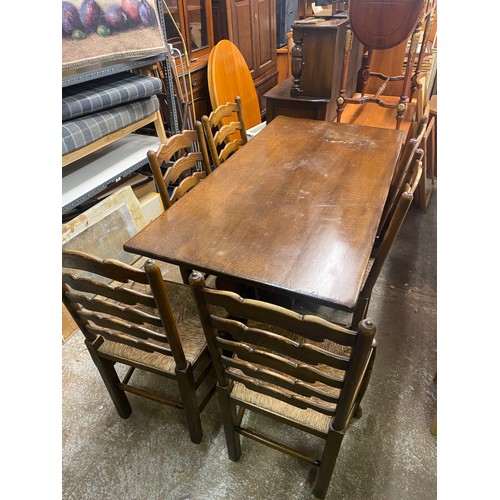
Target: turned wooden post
345 70
297 49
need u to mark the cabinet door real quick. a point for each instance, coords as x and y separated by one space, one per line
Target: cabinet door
241 31
264 20
252 28
192 19
199 27
174 22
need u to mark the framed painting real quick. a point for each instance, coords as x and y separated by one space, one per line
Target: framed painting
97 33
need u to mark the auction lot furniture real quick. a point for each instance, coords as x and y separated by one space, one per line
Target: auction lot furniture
295 211
131 317
299 370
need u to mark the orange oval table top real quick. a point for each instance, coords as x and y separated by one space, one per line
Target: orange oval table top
229 76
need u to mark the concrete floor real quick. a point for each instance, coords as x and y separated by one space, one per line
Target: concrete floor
388 454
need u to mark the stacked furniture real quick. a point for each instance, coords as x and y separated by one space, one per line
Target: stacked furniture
104 112
98 112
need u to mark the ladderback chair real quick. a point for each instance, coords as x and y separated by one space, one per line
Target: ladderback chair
395 222
410 157
225 130
302 371
185 160
429 145
129 316
382 26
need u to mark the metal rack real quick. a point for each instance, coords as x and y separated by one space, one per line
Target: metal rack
85 178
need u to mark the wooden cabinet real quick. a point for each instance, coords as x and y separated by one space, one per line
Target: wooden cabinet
317 58
201 97
193 20
251 26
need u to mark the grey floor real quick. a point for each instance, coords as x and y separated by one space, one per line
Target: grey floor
389 453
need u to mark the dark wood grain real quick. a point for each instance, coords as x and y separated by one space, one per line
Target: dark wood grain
296 210
384 24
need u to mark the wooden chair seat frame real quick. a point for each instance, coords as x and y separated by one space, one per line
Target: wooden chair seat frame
126 317
320 370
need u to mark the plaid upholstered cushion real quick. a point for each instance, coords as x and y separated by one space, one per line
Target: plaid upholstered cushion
83 131
93 96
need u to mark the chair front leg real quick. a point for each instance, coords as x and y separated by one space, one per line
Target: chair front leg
364 383
187 389
228 414
328 460
111 381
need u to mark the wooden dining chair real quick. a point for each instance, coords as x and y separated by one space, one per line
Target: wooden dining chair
130 317
410 157
302 371
179 164
381 26
225 130
429 144
395 222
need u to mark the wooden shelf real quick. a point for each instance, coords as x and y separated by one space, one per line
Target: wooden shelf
92 174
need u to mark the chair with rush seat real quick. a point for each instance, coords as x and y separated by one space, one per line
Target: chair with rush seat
225 131
408 161
185 159
394 224
302 371
130 316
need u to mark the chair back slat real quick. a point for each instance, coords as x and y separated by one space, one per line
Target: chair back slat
296 368
121 294
277 378
230 149
119 325
113 269
188 153
272 340
179 142
312 327
183 164
186 185
104 306
286 397
226 130
141 345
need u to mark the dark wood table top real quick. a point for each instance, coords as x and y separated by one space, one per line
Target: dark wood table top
295 210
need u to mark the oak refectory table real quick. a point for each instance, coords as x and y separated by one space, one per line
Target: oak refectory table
294 211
